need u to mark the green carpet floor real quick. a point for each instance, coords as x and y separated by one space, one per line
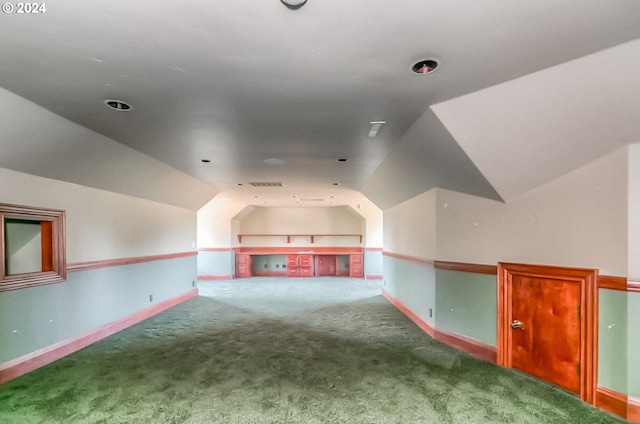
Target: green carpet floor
282 351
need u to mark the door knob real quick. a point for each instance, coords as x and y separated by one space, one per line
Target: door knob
516 324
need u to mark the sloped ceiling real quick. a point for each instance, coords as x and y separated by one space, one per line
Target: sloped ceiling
269 94
531 130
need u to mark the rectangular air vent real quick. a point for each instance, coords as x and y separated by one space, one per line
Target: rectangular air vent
263 184
312 200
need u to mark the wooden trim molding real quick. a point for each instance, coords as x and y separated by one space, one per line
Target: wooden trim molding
312 237
587 278
274 250
41 357
373 277
633 410
84 266
611 401
627 407
472 347
215 277
446 265
612 283
633 286
426 262
423 325
53 257
215 249
465 267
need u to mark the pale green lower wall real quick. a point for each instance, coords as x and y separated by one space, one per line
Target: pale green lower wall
467 305
633 343
612 340
33 318
216 263
373 262
460 302
413 284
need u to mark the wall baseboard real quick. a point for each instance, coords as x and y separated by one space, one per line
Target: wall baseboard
373 277
41 357
633 409
215 277
472 347
627 407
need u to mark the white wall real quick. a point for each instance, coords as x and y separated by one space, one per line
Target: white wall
577 220
633 212
373 222
301 221
410 227
104 225
215 223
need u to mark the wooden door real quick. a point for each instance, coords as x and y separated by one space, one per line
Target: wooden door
243 265
547 342
326 265
547 324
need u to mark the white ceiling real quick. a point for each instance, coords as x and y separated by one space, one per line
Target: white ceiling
244 83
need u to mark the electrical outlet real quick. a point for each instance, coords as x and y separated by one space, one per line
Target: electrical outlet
150 298
430 313
193 283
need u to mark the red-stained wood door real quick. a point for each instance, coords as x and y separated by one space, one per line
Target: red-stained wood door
326 265
547 324
545 329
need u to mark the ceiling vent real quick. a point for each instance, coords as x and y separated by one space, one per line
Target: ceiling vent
267 184
312 200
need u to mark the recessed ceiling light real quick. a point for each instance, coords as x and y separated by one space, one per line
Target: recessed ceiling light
425 66
118 105
294 4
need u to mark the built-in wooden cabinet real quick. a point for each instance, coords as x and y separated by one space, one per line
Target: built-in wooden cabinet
303 262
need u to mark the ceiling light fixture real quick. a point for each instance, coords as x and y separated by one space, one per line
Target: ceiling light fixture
294 4
375 127
118 105
425 66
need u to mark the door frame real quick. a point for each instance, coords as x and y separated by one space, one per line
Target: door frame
588 280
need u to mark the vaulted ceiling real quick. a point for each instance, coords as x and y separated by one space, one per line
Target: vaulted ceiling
525 91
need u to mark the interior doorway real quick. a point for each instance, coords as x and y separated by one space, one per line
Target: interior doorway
547 324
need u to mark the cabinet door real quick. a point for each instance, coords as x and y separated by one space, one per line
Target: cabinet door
243 265
356 266
292 266
306 260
